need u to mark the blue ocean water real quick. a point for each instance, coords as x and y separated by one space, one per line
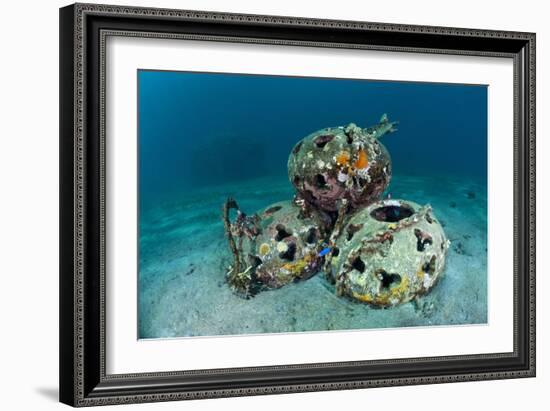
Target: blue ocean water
206 136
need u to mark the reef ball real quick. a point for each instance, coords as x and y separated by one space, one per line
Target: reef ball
388 253
341 163
275 246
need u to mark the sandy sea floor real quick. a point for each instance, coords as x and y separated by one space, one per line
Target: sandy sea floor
184 257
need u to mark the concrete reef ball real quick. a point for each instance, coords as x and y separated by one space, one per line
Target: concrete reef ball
388 253
341 163
276 246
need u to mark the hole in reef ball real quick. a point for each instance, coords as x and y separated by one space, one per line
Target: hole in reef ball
422 239
352 229
358 264
290 252
312 236
429 267
391 213
320 181
297 147
322 140
388 279
281 232
272 210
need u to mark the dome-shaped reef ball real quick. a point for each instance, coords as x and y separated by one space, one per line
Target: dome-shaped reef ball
341 163
273 247
388 253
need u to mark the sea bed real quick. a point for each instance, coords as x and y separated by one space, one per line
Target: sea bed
183 258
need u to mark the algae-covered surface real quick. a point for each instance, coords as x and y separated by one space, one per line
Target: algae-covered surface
184 257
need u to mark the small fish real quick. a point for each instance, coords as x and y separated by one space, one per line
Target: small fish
324 251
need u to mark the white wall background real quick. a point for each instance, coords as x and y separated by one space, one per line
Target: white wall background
29 203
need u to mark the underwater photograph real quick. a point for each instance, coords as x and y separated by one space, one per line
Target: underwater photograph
281 204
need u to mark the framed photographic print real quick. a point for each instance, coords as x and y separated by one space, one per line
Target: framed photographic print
261 204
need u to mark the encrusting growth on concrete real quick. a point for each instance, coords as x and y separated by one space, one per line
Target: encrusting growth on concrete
378 251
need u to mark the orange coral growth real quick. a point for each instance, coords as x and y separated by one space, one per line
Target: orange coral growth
362 161
342 159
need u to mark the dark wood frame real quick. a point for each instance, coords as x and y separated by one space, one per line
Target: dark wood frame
83 30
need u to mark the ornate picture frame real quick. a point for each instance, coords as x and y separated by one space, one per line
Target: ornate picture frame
84 380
